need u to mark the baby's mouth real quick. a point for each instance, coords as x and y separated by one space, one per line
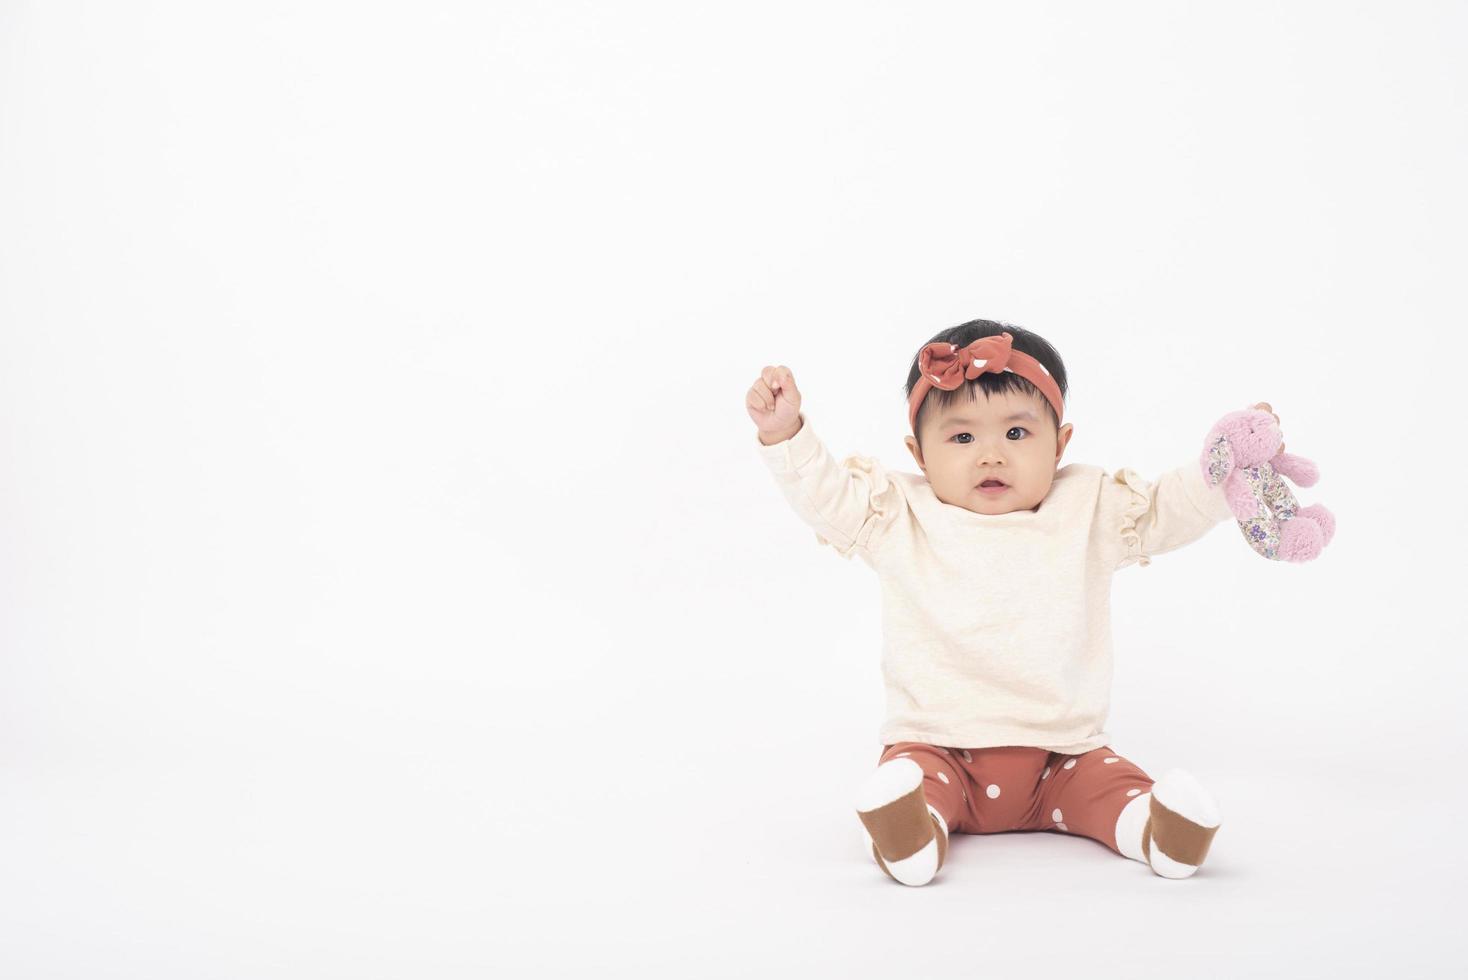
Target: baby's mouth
993 484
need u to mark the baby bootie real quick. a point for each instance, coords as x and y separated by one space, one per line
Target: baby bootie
909 837
1181 822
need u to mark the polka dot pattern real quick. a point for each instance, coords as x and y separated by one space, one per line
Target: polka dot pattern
1011 792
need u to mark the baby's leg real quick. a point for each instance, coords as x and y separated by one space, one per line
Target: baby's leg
907 807
1167 824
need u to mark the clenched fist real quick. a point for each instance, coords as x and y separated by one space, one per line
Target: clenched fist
774 405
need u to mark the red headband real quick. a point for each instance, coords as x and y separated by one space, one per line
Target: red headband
946 366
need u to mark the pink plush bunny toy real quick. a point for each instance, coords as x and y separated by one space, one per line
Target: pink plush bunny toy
1244 452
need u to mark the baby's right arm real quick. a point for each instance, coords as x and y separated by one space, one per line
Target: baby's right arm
845 503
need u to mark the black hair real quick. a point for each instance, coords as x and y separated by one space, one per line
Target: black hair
1025 341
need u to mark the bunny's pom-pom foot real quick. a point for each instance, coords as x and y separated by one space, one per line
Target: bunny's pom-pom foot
1321 516
1300 540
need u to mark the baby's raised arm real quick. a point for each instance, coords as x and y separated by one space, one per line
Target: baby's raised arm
1178 508
847 503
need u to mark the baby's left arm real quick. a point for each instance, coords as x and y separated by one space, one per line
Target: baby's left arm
1177 509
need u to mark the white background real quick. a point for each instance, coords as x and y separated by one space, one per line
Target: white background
391 587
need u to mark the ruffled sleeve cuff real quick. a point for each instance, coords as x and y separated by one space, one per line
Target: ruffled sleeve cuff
1136 505
884 502
1172 523
847 504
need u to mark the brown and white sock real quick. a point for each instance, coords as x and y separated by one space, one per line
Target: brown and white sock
1171 828
909 838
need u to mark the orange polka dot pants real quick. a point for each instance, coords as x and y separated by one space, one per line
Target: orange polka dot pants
993 790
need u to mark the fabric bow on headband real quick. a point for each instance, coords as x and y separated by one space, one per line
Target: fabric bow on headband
946 366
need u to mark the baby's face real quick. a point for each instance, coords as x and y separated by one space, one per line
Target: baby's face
1007 437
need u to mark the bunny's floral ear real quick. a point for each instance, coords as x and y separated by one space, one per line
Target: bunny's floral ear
1218 458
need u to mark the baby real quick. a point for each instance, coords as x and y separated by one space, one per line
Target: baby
995 568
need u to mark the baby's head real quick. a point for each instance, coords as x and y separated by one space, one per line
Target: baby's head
1009 434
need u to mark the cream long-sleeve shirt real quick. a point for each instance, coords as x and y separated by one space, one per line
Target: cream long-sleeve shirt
996 628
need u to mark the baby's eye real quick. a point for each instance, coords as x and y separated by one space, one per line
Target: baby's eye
1017 428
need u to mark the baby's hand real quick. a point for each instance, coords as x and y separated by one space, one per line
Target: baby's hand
1265 406
774 403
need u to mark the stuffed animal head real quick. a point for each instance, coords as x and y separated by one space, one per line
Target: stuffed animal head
1247 437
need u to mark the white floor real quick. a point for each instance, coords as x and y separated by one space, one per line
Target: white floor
634 858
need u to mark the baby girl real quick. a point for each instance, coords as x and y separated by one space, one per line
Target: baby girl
995 567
